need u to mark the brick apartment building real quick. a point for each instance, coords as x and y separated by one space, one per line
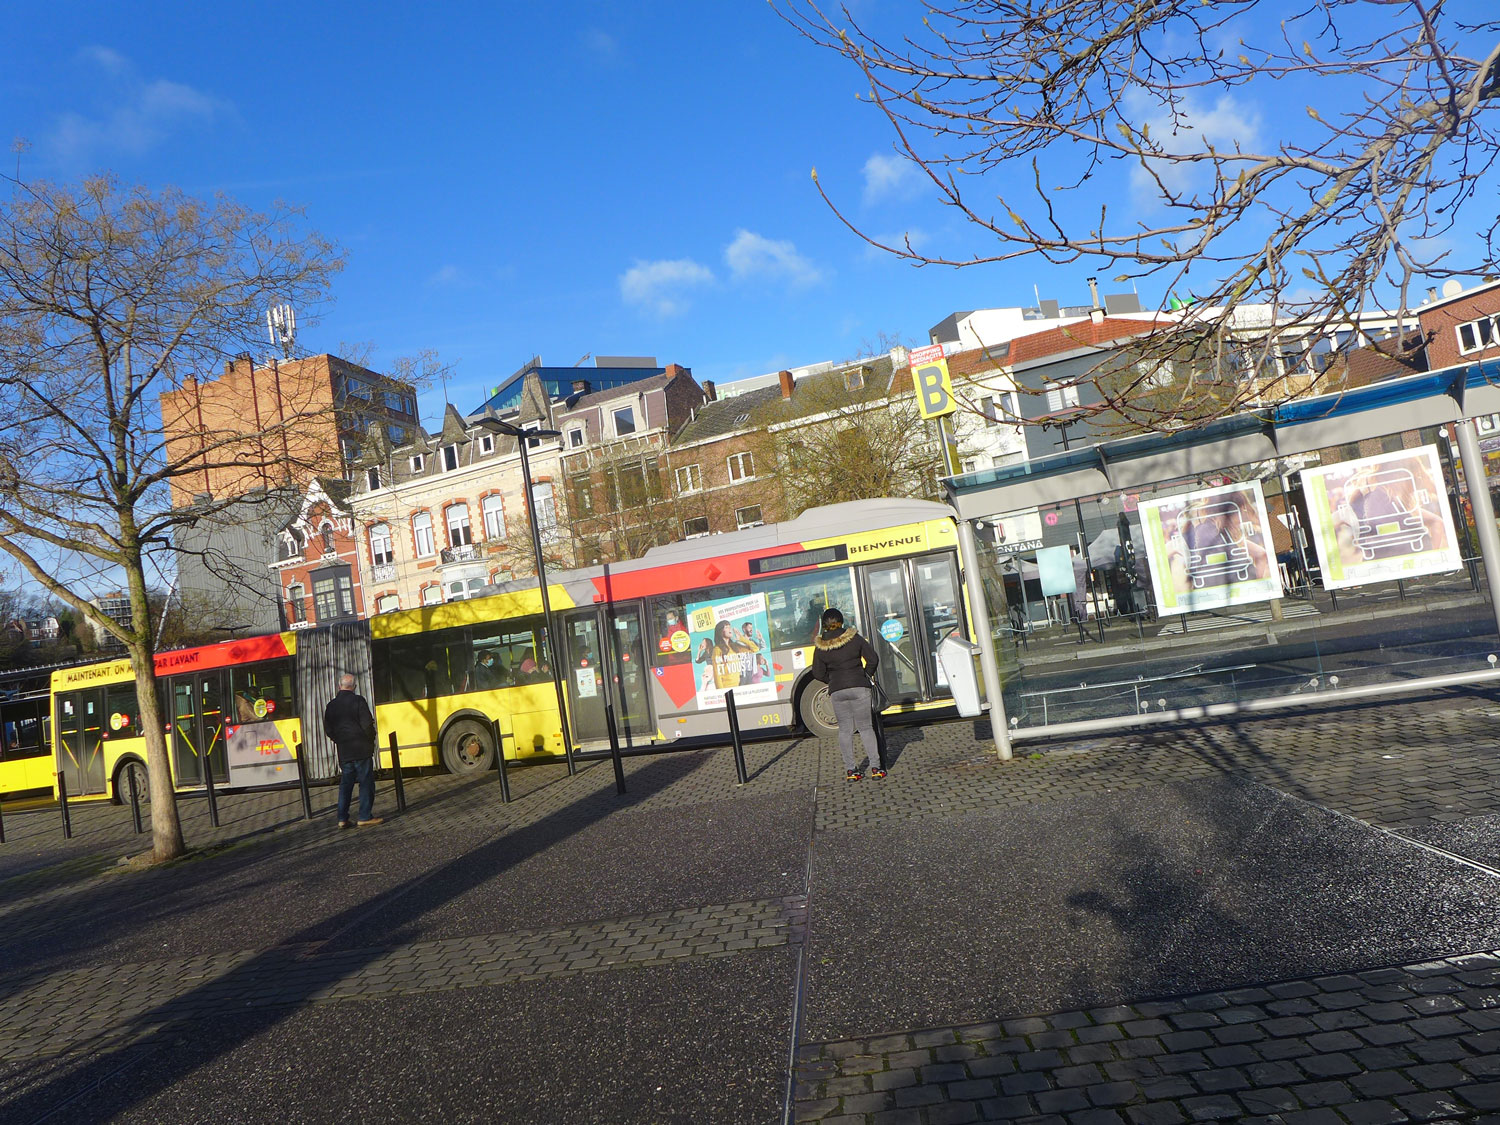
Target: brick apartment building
317 565
251 441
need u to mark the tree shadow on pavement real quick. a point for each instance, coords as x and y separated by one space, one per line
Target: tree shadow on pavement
397 906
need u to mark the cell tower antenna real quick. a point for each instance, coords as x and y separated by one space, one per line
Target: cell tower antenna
281 326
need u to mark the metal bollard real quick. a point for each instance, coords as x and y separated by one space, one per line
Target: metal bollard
302 784
62 801
500 761
208 787
734 734
879 724
2 818
614 747
396 773
135 800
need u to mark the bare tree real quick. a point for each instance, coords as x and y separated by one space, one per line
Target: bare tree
842 447
110 297
1031 117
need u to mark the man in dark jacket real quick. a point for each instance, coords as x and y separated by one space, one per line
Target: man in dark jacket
845 661
347 720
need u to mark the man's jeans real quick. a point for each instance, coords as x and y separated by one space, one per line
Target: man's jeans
362 771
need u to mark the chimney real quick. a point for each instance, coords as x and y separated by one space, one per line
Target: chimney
1096 312
580 386
708 391
787 383
672 370
1431 295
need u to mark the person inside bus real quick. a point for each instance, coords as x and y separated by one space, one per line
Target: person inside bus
486 672
845 661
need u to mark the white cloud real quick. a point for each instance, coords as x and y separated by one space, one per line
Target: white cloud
599 42
662 286
1225 125
889 176
448 275
750 256
143 114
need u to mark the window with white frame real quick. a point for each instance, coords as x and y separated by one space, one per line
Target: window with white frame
450 458
741 467
689 479
854 379
372 479
575 437
487 443
461 589
748 517
459 532
296 602
387 603
328 544
382 552
624 419
418 462
421 534
536 442
432 595
1060 397
695 528
492 510
1478 334
546 510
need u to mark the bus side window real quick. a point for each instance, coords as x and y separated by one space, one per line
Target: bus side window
669 620
795 603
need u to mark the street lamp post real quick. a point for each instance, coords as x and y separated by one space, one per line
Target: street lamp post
555 642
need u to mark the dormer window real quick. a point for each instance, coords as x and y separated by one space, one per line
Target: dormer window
854 380
450 458
418 463
575 437
372 479
624 419
487 443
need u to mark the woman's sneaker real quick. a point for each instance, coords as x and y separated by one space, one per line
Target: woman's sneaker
853 775
877 772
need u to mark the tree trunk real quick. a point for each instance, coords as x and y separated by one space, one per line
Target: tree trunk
166 826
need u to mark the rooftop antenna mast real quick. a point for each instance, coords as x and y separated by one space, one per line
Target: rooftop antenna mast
281 326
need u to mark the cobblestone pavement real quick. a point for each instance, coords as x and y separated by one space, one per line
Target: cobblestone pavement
1355 1042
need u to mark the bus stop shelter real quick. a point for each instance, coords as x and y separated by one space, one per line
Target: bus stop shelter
1450 399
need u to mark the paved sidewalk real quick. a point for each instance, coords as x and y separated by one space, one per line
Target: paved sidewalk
1291 919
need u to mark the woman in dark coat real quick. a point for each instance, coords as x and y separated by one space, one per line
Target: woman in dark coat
845 661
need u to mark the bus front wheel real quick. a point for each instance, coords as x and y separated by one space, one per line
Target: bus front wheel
816 711
122 782
468 747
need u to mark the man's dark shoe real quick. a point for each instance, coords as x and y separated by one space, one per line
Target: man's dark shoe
345 824
372 820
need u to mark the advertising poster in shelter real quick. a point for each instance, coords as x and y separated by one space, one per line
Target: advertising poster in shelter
1210 549
1380 518
730 651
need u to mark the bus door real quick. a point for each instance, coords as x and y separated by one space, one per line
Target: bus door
198 727
605 658
911 604
80 740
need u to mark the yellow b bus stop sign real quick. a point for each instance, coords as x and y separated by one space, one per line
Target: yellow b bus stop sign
929 375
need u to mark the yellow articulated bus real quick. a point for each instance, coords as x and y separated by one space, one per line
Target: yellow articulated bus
230 712
25 732
662 638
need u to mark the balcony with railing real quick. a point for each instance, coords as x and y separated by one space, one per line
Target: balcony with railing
468 552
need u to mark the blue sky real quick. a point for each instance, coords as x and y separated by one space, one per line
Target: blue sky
516 178
560 179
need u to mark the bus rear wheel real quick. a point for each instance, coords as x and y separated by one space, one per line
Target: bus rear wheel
816 711
468 747
122 782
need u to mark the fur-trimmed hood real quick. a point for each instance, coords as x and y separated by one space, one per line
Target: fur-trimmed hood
827 642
